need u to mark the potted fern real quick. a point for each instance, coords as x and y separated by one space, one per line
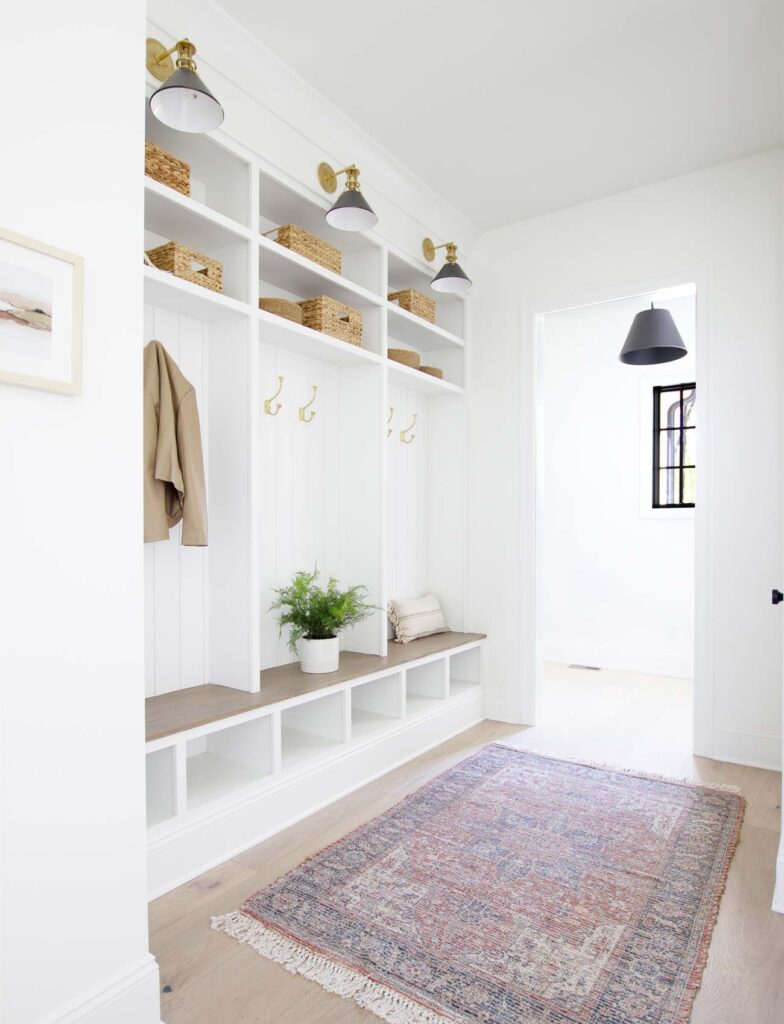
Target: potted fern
316 615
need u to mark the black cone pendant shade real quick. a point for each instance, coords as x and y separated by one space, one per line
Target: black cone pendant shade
351 212
184 102
652 338
451 278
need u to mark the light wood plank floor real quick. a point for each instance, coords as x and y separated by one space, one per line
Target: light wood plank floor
630 720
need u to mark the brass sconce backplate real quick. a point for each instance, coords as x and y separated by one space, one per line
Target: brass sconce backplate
327 177
428 249
159 66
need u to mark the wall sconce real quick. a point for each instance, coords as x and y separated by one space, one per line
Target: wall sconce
351 212
451 277
183 101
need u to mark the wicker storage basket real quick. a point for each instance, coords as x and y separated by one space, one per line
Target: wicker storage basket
188 264
167 169
415 302
297 239
434 371
334 318
404 356
282 307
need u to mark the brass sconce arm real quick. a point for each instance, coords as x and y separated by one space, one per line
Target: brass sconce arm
159 62
328 177
429 249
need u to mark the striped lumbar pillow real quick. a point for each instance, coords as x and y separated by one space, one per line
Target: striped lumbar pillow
416 617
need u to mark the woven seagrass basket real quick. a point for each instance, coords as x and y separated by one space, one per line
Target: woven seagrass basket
167 169
331 317
415 302
190 265
282 307
404 356
434 371
297 239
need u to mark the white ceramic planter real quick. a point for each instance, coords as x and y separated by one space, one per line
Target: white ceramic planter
319 655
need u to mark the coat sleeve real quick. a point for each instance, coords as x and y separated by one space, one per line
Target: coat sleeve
194 501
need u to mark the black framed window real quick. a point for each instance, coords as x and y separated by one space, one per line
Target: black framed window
674 445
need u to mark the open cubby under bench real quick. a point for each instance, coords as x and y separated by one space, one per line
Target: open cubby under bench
225 768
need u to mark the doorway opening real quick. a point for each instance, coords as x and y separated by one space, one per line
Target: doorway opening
617 492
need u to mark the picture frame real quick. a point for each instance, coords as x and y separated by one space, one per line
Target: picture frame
41 310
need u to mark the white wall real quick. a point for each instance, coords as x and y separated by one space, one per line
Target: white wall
617 577
74 924
727 220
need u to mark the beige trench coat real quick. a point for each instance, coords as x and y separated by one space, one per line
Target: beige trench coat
174 487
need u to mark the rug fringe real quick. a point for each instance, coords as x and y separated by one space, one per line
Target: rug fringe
721 787
384 1002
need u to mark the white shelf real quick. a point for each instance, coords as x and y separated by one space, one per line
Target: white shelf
457 687
298 746
418 333
177 217
210 777
157 813
188 299
416 704
365 723
292 336
300 276
408 377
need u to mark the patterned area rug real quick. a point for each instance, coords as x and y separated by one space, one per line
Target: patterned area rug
515 888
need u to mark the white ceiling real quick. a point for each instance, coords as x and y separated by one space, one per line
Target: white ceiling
511 108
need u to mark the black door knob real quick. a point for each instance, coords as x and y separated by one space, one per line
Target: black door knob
777 597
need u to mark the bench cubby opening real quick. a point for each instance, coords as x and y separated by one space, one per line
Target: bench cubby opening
226 760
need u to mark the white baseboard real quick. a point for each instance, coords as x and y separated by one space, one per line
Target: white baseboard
778 892
505 707
131 997
757 750
202 841
622 659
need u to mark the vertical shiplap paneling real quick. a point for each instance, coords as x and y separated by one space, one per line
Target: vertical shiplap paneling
407 497
193 561
300 504
149 572
176 577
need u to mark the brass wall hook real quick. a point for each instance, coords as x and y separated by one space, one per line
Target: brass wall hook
403 438
268 401
303 415
389 420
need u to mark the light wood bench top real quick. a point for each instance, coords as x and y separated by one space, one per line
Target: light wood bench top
199 705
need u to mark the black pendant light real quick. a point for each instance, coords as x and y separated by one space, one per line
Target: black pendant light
183 101
652 338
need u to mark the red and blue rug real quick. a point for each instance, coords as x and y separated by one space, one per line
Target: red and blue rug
515 888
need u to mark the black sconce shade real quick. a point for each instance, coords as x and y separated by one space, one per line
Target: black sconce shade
184 102
451 278
351 212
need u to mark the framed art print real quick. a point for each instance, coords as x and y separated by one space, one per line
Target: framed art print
41 294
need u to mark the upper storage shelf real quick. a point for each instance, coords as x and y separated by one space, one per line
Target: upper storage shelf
297 275
173 216
362 256
418 333
219 178
404 272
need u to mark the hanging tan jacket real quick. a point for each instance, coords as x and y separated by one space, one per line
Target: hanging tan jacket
174 486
